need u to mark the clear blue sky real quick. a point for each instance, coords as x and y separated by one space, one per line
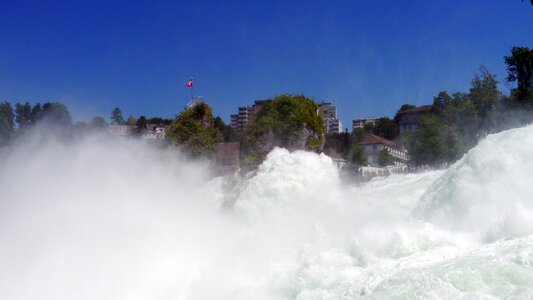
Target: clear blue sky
367 56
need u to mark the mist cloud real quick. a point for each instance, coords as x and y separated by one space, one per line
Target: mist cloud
104 218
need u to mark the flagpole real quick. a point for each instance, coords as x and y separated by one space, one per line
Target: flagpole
192 89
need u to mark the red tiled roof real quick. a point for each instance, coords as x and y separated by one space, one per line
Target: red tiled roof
420 109
371 139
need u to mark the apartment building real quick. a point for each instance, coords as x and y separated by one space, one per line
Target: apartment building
328 111
246 115
360 123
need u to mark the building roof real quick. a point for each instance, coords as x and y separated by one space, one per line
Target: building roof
420 109
371 139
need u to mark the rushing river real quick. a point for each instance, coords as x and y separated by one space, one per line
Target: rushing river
108 219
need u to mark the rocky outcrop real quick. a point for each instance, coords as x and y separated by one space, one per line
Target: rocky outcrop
288 121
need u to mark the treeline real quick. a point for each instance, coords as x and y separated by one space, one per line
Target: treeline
15 120
288 121
457 121
454 124
26 116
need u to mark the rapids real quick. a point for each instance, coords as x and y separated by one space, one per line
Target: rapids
119 219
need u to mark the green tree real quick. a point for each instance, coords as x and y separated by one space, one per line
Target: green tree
23 115
36 113
158 120
357 156
434 142
7 129
288 121
368 127
131 121
440 103
7 110
385 158
458 113
286 116
454 109
520 69
404 107
56 114
97 123
81 127
484 92
229 134
466 120
386 128
357 135
141 123
340 142
195 132
116 116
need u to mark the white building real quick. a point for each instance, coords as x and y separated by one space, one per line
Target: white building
372 145
360 123
333 126
328 111
246 115
153 132
119 130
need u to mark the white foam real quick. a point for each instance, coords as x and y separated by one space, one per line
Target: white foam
117 219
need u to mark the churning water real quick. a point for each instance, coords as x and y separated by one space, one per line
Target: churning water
104 219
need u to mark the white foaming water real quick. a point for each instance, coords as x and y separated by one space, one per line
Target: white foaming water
108 219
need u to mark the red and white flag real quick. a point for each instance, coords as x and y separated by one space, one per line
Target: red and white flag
189 84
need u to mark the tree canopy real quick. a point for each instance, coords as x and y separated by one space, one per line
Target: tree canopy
97 123
386 128
194 130
434 142
9 117
23 115
229 134
340 142
141 122
6 124
520 69
116 116
288 121
484 92
285 116
404 107
55 114
385 158
357 156
131 121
